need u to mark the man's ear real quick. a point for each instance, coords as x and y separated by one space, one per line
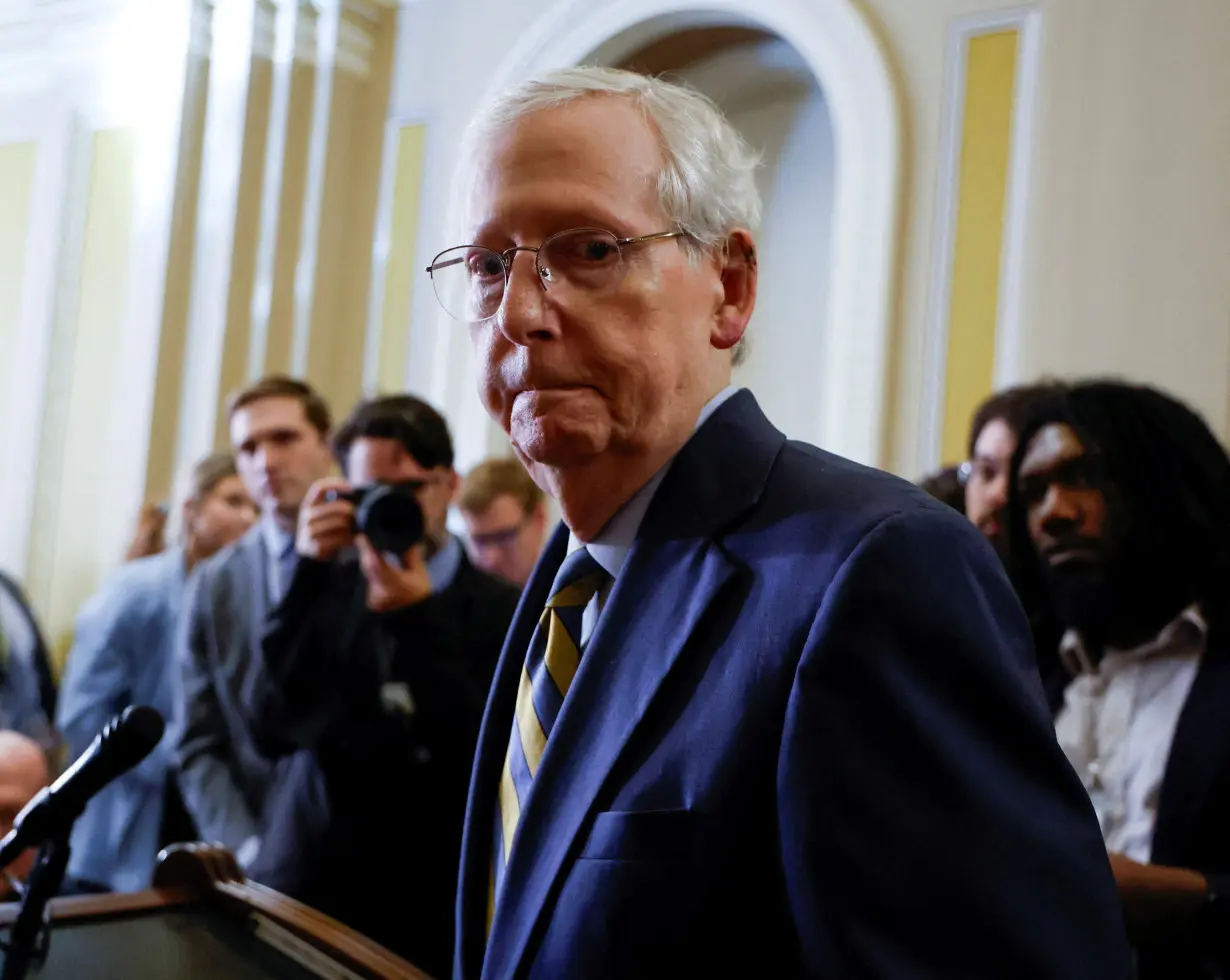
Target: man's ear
738 297
453 484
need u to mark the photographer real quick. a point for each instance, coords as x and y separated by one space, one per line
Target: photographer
378 660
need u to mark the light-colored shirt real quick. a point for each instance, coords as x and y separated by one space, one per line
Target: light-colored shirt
611 545
124 653
443 565
280 555
1118 721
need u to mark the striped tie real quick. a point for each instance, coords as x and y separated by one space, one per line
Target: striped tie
549 668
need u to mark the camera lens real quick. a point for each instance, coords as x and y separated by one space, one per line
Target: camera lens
391 518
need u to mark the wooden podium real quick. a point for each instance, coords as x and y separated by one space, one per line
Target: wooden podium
203 920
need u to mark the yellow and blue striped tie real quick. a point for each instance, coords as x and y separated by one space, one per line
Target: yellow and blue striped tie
554 655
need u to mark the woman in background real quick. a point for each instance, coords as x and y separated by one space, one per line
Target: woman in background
122 654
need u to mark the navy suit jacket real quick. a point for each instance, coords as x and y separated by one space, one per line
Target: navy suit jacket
807 739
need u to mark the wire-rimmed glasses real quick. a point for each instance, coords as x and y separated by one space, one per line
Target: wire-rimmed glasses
470 280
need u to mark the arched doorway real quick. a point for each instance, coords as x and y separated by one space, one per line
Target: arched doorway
770 95
842 378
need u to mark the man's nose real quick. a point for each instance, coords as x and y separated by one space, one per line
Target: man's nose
524 314
486 553
1060 509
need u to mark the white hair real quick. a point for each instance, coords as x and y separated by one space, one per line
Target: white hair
707 183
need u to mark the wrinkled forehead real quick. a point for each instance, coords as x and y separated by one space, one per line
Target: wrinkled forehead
593 160
1051 445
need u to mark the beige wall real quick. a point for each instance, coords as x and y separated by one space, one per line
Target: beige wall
144 215
66 558
140 281
1129 266
17 161
1126 259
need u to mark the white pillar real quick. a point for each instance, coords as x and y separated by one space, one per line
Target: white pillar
231 51
328 13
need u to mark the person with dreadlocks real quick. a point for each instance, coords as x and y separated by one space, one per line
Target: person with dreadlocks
1120 510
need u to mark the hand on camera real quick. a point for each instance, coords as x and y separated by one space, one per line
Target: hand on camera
325 526
390 587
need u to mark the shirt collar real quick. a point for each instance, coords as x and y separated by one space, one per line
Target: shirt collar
611 545
1190 623
278 541
442 567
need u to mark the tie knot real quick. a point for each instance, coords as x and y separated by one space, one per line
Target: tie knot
578 580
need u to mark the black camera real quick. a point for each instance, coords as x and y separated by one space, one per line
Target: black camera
388 513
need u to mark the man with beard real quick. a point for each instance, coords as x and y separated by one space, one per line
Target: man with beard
984 479
1122 501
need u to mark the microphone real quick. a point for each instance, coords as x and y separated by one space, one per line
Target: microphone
126 740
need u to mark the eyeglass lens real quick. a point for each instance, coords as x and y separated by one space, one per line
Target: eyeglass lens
470 280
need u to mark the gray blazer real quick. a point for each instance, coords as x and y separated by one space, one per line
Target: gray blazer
223 778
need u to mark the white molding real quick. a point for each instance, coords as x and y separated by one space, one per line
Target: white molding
368 10
286 40
53 42
354 48
155 178
842 51
961 31
221 156
264 28
1016 202
948 180
307 15
382 232
317 165
382 243
201 30
48 310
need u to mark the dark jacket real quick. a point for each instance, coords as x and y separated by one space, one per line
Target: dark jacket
390 704
807 738
1193 811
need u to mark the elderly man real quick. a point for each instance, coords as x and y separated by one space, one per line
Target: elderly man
762 711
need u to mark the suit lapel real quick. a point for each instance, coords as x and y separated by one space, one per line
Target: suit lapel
674 573
652 611
1198 750
489 761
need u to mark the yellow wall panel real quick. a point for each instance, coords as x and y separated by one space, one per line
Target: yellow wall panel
402 270
17 161
66 558
990 82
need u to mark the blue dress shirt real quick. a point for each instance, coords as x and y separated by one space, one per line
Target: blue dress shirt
123 654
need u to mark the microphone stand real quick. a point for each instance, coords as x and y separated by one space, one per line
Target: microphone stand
30 936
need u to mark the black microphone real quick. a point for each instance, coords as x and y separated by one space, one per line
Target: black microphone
126 740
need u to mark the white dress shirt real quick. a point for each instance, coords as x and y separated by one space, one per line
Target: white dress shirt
1118 721
611 545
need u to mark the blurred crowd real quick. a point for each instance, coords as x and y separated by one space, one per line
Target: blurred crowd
324 692
1109 505
245 613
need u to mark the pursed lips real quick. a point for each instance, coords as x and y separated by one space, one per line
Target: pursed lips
552 390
